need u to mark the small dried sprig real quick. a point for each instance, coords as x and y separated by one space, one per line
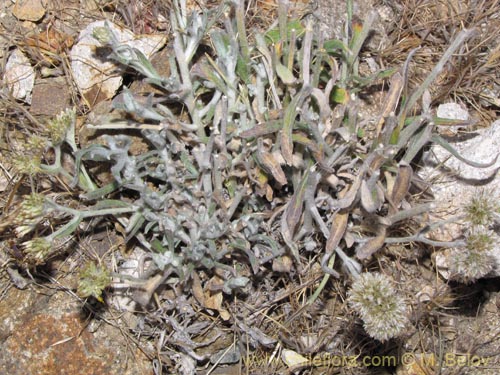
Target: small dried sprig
383 311
93 280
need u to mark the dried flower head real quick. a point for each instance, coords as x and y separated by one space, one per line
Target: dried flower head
36 143
27 164
37 249
58 127
93 280
482 207
30 213
384 312
468 265
480 239
102 34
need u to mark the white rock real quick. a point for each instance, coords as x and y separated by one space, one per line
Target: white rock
292 358
455 183
19 76
91 70
121 296
453 111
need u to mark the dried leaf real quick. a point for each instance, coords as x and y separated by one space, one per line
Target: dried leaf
392 99
259 130
401 185
226 356
256 334
349 197
143 294
339 226
371 200
213 300
49 43
317 151
373 245
271 165
323 103
292 215
282 264
197 289
309 143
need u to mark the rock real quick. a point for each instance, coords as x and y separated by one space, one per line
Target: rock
292 358
483 148
50 97
456 183
226 356
44 335
452 111
96 75
29 10
19 76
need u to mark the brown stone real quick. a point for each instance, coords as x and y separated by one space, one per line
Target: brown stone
29 10
48 334
50 97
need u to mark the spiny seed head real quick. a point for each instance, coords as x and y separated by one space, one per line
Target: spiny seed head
36 143
102 34
30 213
468 265
37 249
28 164
480 239
58 127
384 312
32 206
93 280
481 209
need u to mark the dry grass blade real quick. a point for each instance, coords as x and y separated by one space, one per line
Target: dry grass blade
270 164
262 129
